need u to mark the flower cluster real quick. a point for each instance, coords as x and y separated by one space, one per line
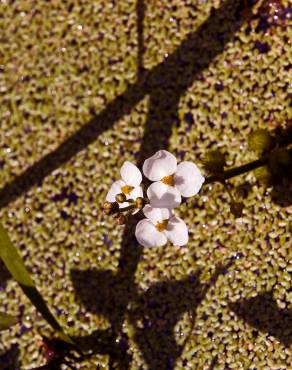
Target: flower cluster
171 182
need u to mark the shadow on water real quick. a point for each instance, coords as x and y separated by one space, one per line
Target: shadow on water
263 313
107 293
10 359
153 314
174 75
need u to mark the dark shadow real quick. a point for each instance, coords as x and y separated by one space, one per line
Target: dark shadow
153 314
264 315
10 359
213 363
4 275
174 75
140 11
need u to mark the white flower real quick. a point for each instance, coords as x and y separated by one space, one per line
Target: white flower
172 181
159 226
129 185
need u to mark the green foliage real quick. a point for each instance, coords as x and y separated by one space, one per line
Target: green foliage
6 321
214 162
260 141
15 265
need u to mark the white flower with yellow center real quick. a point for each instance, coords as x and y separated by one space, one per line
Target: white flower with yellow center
172 181
129 185
160 226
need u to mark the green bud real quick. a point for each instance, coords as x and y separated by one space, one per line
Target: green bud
214 161
236 209
260 141
263 175
140 202
107 205
121 198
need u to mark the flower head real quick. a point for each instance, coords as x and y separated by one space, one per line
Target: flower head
172 181
159 226
129 185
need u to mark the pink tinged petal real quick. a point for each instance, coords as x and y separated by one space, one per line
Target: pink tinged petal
147 234
177 231
156 214
114 190
188 179
161 164
131 174
163 196
135 193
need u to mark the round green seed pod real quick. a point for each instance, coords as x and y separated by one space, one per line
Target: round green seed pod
260 141
214 161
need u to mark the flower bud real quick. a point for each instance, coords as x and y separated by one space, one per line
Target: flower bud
260 141
263 175
140 202
121 219
214 161
107 205
121 198
110 208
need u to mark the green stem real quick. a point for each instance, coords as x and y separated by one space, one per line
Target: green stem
236 171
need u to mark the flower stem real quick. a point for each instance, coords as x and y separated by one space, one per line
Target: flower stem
236 171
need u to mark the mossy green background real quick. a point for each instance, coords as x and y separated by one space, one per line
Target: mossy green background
61 63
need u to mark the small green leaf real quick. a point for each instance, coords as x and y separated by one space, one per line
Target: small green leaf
15 265
6 321
214 162
260 141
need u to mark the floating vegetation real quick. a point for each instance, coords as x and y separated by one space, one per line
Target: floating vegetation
85 86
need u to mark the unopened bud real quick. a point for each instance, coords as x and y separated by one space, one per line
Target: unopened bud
121 219
140 202
260 141
214 161
107 205
121 198
110 208
263 175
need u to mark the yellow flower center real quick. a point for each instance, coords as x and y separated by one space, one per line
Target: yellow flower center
168 180
161 226
126 189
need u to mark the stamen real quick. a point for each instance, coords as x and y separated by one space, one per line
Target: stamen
161 226
126 189
168 180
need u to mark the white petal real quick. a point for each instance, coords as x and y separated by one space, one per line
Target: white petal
177 231
131 174
156 214
114 190
135 193
188 179
161 164
163 196
148 236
